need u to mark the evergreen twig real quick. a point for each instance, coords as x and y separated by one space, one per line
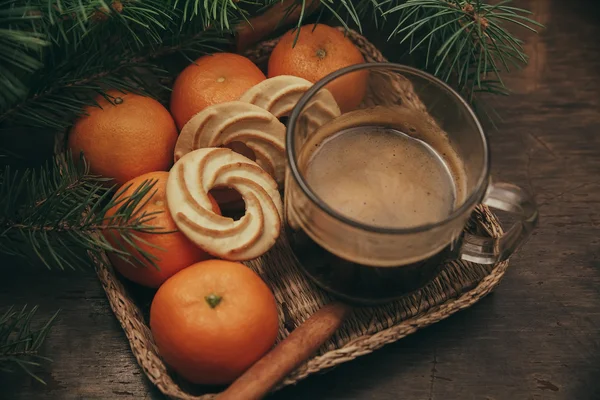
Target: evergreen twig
463 41
57 216
20 343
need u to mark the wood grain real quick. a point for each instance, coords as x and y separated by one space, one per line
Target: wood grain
537 337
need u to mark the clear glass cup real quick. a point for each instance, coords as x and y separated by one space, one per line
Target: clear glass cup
369 264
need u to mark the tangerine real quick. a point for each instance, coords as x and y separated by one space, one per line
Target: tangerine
173 251
126 138
213 320
212 79
319 51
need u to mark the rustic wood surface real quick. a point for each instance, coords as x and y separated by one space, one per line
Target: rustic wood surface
537 337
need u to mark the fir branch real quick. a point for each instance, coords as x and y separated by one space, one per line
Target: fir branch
20 343
64 92
465 40
20 48
73 23
96 47
219 14
57 216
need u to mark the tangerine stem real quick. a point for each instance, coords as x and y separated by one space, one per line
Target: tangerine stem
213 300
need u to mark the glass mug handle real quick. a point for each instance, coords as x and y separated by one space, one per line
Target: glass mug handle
514 200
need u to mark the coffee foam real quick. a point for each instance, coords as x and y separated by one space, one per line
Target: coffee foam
384 167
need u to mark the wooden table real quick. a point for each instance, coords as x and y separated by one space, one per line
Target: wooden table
537 337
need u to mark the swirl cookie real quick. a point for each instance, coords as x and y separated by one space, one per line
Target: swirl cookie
235 121
279 95
197 172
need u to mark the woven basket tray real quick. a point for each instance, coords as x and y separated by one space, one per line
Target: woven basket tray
457 285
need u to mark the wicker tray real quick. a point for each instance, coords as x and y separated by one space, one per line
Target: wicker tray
458 285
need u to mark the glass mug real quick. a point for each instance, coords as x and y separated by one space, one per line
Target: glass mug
371 264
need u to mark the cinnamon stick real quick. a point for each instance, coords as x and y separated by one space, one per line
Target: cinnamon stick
303 342
256 28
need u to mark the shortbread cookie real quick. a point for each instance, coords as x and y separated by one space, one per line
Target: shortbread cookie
279 96
235 121
189 182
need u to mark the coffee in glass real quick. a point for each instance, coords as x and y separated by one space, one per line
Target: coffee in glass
377 198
